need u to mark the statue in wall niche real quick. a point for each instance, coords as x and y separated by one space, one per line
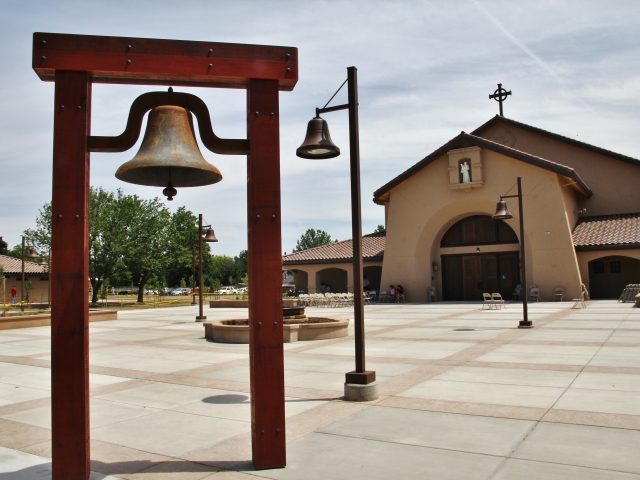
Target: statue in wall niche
464 170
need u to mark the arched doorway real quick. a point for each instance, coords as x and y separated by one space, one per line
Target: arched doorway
334 278
374 274
609 275
467 275
300 280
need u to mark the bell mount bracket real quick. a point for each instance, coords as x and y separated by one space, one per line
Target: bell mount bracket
150 100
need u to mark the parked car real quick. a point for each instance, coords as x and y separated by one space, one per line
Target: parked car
242 290
227 290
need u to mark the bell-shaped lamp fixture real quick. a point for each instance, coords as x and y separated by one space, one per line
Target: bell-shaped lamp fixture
317 144
32 253
502 212
42 263
169 155
210 236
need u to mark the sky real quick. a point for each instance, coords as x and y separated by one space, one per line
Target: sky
425 70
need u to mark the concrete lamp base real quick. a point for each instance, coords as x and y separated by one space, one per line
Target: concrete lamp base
354 392
527 324
200 319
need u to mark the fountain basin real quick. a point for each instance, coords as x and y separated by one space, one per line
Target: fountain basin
299 329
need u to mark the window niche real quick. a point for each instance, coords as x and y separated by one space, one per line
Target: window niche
465 164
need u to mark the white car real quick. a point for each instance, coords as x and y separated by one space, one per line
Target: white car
227 290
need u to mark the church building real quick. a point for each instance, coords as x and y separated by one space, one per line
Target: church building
581 211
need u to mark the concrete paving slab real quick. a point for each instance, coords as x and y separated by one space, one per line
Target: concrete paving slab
605 401
161 395
608 381
169 433
584 446
509 376
10 394
485 393
346 458
17 465
464 433
528 470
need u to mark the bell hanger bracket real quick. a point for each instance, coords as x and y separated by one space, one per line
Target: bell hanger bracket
150 100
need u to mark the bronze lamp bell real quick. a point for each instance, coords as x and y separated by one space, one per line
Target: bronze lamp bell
169 155
210 236
502 212
317 144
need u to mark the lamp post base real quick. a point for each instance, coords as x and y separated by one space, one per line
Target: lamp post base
201 319
355 392
527 324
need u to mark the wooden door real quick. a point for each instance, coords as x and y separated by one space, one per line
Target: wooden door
490 281
452 278
472 280
509 273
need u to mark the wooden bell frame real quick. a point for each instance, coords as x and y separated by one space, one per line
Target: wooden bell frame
74 63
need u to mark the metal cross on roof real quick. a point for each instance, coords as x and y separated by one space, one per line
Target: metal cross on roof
500 95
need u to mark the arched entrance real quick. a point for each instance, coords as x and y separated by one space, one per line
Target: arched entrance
467 275
609 275
300 280
374 274
334 278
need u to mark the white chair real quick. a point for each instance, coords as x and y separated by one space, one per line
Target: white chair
373 295
382 297
534 293
516 295
431 292
498 301
558 293
488 301
579 301
367 299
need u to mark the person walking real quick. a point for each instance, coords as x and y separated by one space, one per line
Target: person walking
14 295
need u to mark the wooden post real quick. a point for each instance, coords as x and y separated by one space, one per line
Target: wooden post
69 277
265 276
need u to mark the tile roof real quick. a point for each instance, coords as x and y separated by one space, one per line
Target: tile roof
618 230
466 140
372 249
14 265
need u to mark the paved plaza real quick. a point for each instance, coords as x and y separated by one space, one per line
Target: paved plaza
463 395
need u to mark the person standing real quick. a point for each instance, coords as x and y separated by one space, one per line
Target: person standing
14 295
400 293
365 284
392 293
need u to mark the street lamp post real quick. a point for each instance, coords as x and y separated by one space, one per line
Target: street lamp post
503 213
32 254
209 237
360 384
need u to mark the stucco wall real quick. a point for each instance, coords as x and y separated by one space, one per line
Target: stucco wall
422 208
614 182
39 293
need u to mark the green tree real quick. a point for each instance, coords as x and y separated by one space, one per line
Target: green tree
222 267
146 239
312 238
106 236
379 229
40 237
4 246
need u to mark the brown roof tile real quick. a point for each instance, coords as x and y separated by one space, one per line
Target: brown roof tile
608 230
372 249
14 265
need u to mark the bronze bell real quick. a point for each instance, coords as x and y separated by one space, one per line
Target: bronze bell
502 212
169 155
317 144
210 236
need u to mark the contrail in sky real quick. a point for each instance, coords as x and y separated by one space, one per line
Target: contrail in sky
527 50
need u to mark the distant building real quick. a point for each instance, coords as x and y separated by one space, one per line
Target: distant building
33 272
581 212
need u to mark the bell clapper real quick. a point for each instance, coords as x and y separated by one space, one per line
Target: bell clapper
170 192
